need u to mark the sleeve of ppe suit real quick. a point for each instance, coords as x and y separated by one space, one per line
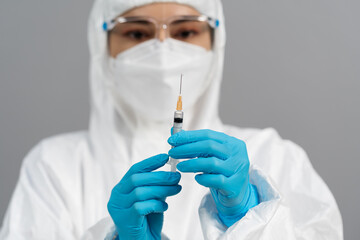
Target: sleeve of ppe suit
295 203
105 229
37 210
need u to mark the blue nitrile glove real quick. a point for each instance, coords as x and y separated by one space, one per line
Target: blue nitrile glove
137 203
224 164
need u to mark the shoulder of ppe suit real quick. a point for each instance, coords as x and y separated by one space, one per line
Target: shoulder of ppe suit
266 145
57 150
252 135
240 133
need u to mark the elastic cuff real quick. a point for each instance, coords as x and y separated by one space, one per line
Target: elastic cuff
252 201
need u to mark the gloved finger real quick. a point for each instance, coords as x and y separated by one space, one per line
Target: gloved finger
206 165
150 206
148 165
206 148
215 181
149 179
185 137
149 192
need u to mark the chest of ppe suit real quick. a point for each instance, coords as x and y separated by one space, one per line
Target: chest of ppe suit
65 181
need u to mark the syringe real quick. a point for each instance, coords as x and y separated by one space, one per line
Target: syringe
178 123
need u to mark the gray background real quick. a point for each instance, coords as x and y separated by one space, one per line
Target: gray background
291 65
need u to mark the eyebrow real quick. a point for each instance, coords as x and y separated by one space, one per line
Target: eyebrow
143 22
181 21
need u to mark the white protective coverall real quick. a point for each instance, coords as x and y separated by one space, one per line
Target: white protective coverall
66 180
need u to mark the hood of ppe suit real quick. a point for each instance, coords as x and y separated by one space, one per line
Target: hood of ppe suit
113 131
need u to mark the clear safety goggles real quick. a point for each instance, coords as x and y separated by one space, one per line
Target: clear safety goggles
139 29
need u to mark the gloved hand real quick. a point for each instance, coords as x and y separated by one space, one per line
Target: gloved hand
137 203
224 164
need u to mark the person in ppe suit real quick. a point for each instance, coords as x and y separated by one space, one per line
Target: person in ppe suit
112 181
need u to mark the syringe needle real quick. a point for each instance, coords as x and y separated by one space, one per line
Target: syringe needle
181 78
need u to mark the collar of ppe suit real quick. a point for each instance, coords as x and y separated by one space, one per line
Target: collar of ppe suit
123 134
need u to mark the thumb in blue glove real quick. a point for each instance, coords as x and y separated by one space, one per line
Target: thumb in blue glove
137 203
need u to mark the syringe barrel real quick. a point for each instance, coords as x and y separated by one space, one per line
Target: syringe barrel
178 121
177 127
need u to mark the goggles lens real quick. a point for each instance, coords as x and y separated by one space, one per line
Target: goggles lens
135 30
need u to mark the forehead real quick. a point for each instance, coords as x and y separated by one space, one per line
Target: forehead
161 10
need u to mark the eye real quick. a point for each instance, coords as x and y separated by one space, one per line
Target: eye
185 34
137 35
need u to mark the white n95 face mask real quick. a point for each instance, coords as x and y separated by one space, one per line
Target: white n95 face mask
147 76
